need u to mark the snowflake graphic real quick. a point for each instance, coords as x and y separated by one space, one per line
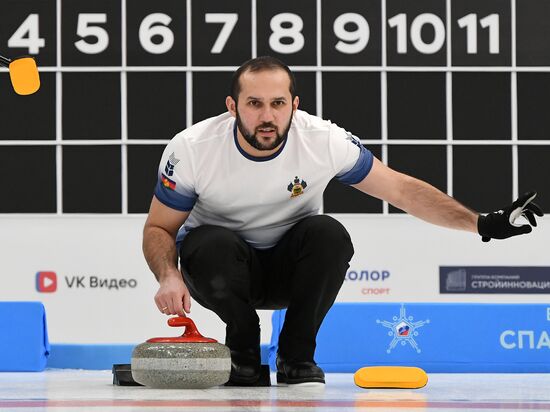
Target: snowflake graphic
403 329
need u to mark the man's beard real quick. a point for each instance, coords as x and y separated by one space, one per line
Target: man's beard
253 139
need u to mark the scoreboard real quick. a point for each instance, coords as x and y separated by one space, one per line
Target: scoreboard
455 92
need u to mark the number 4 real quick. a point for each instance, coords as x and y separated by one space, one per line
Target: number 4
229 21
32 41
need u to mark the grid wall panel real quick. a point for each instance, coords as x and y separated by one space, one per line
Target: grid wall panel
352 100
481 176
475 24
29 14
415 32
481 106
91 106
532 28
91 179
91 33
359 22
533 104
416 106
212 46
534 169
428 163
156 104
453 92
28 117
143 164
156 33
27 179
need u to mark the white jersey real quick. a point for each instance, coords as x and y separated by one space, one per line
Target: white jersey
204 170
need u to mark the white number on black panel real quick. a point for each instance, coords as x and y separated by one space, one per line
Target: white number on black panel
27 36
470 23
87 27
156 24
229 20
293 32
400 23
351 41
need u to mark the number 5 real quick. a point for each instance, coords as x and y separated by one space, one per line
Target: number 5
84 29
229 20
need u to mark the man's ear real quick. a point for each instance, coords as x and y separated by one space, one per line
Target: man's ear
231 106
295 103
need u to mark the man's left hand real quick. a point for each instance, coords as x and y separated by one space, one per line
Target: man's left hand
502 224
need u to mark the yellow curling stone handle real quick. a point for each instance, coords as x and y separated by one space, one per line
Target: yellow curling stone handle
403 377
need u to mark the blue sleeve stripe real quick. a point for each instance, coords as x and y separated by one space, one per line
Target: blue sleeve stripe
174 199
360 170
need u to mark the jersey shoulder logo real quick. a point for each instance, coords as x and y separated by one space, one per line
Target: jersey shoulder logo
170 164
353 139
296 187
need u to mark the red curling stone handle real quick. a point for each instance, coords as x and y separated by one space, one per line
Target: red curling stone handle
190 335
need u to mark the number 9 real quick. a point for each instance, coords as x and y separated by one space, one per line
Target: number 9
359 37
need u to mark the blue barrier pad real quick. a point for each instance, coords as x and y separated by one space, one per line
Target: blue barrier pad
100 356
438 337
24 345
95 357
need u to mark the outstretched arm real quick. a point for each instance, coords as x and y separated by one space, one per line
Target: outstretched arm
159 249
417 198
424 201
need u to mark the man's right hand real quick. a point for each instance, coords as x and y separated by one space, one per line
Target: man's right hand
173 297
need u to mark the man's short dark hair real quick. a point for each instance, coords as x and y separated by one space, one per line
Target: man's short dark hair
258 64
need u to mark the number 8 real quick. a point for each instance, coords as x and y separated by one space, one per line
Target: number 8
293 32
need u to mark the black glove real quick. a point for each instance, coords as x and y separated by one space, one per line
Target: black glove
501 224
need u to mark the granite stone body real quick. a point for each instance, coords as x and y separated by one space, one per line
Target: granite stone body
190 365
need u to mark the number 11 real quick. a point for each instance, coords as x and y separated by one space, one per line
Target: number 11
470 23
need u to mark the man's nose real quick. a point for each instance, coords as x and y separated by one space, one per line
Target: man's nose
267 115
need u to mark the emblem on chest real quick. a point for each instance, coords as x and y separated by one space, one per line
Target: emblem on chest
296 187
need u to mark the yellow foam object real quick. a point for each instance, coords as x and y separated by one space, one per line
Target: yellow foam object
408 377
24 76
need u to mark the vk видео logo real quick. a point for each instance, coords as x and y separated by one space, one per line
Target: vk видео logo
46 282
403 329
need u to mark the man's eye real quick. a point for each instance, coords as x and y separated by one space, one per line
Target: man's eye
278 103
253 103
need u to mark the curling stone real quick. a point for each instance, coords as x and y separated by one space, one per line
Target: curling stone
189 361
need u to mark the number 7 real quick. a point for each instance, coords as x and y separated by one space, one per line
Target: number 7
229 20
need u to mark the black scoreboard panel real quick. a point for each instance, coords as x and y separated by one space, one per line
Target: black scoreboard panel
156 33
287 29
28 179
225 29
534 93
156 104
353 99
91 106
482 106
426 162
482 176
454 92
532 17
29 118
416 105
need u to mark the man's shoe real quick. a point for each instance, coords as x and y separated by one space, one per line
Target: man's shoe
294 372
245 366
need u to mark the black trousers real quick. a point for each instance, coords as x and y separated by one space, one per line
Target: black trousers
303 273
